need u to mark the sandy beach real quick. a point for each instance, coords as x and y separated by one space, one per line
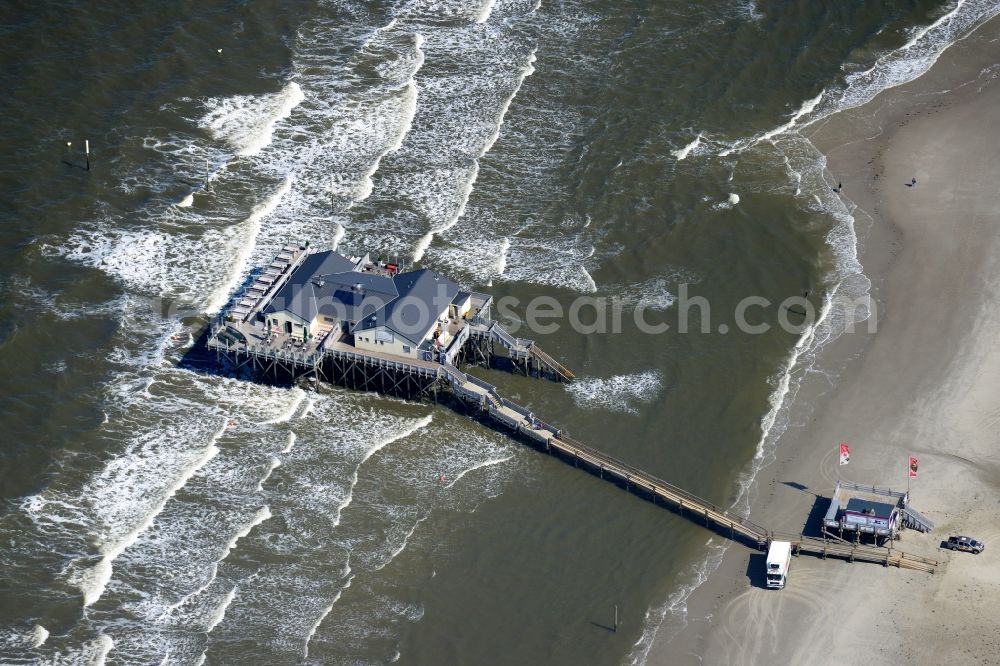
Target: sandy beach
925 383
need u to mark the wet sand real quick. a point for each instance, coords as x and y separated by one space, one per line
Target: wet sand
925 382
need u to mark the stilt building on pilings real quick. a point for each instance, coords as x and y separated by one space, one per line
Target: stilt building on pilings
367 325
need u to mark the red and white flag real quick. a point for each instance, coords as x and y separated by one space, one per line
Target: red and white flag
845 453
913 467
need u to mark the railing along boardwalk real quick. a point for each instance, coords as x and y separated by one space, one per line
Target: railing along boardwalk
659 489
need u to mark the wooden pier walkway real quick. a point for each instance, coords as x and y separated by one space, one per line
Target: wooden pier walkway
723 521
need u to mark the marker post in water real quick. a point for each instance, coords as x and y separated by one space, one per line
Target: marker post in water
86 152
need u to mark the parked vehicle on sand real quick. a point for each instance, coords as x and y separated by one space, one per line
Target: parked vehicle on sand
965 543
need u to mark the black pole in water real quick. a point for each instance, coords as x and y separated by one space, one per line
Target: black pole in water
616 619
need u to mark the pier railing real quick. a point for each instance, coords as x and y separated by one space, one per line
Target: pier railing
874 490
455 346
679 497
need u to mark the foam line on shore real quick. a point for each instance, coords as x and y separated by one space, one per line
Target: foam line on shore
890 70
805 109
895 67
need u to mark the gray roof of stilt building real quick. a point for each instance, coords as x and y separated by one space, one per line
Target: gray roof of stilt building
423 295
329 284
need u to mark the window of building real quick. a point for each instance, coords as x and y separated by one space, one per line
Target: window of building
406 349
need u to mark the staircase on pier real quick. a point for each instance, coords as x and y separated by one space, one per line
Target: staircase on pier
916 520
521 350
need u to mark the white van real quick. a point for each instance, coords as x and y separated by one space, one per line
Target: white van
779 556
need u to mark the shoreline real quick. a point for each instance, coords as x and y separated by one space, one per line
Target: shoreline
891 393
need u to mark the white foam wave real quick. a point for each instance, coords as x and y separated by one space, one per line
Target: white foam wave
465 190
502 258
246 122
39 635
682 153
675 605
92 582
620 393
485 463
403 433
186 201
274 464
243 239
319 620
730 201
527 70
402 545
310 403
485 11
298 395
264 513
407 111
102 646
806 108
220 612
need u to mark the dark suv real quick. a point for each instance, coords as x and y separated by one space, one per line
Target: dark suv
965 543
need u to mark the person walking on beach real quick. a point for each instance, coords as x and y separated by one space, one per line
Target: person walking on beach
913 182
